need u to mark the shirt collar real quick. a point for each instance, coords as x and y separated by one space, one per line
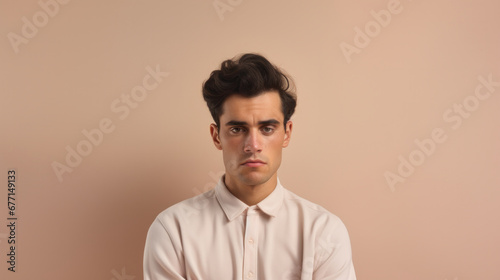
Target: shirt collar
233 207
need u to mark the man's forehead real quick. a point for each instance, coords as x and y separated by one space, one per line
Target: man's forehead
261 107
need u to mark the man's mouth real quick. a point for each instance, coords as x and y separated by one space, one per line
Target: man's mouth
253 163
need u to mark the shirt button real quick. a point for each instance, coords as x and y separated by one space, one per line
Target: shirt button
250 274
250 241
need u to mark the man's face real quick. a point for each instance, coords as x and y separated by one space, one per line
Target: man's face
251 137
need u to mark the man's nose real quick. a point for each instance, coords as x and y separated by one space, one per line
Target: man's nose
253 142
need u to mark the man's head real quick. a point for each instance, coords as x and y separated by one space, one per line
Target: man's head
251 104
248 76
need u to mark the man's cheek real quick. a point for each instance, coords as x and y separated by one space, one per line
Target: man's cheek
231 162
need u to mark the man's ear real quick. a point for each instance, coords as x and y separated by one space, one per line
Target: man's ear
215 136
288 133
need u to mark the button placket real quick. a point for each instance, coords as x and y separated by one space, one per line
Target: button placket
250 244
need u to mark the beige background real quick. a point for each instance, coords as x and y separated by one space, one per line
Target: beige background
357 114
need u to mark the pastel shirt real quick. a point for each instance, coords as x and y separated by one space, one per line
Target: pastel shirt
216 236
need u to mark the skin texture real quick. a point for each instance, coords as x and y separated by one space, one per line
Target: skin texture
251 129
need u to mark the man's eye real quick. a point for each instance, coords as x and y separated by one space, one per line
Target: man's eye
268 129
236 129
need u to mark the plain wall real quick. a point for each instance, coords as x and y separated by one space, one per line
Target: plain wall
368 92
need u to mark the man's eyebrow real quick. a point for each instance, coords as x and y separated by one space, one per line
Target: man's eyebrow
237 123
241 123
271 121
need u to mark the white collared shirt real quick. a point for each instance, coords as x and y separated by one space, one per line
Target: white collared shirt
215 236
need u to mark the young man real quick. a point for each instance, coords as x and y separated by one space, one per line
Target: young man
249 226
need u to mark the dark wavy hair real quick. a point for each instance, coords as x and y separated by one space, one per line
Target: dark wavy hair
248 75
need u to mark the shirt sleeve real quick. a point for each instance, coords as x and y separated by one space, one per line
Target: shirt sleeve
335 256
163 258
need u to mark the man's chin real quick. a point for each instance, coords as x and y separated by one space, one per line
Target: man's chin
254 178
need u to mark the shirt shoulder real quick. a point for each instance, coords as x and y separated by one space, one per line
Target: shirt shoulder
313 212
187 209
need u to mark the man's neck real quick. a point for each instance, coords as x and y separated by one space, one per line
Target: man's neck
251 194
